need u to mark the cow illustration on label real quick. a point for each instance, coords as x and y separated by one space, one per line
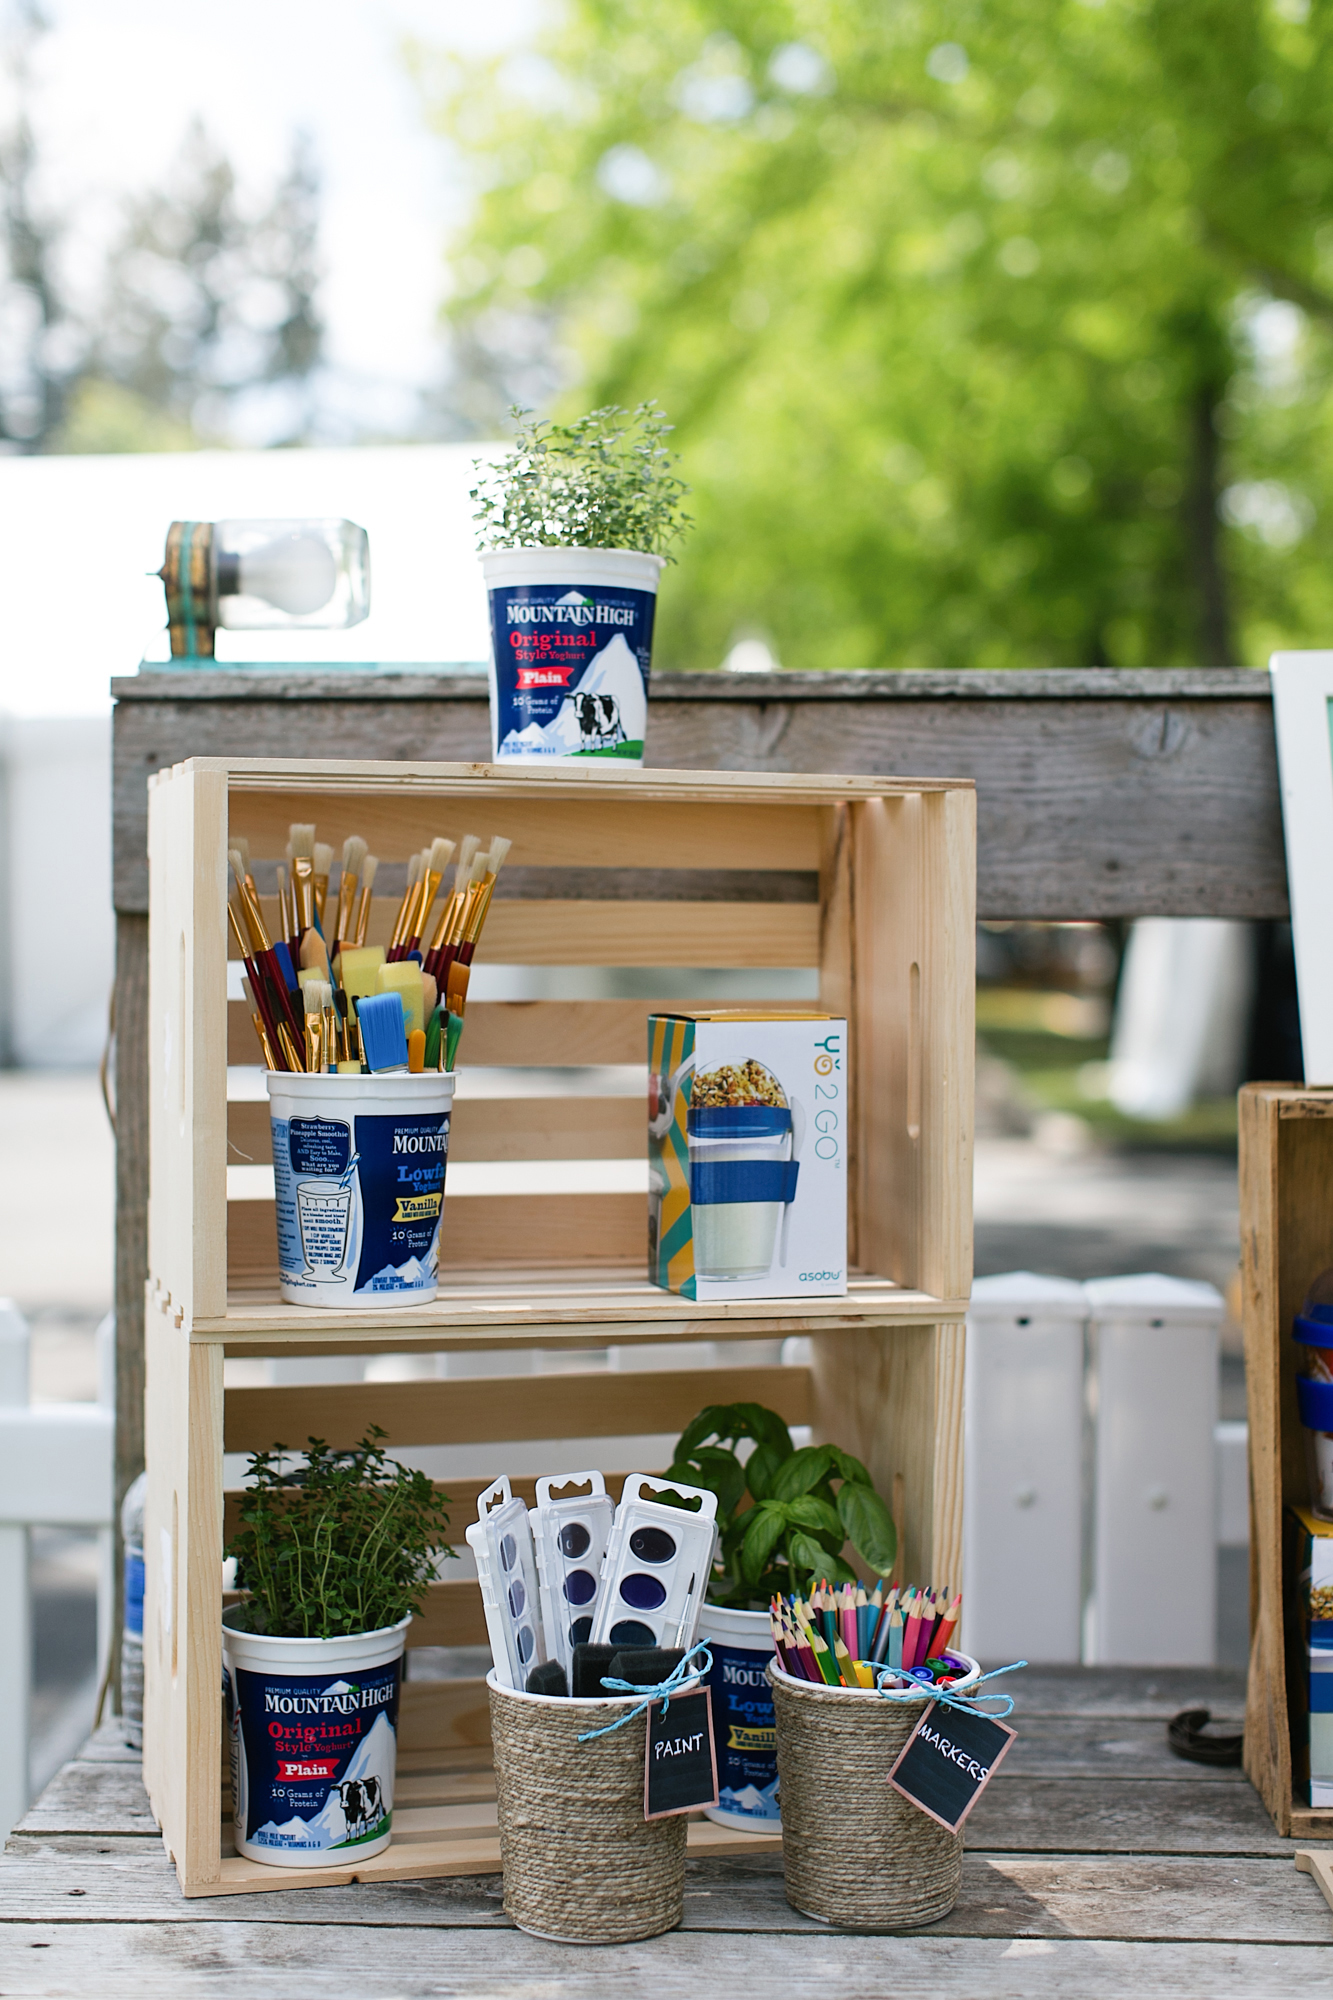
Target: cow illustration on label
598 718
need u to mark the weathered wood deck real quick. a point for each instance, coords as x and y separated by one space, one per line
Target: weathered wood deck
1097 1864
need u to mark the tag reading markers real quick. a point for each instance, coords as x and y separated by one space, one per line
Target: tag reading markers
947 1762
680 1762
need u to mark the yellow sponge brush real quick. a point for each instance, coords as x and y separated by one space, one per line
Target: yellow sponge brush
357 969
404 977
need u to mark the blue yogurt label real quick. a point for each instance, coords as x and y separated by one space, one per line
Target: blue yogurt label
571 670
359 1200
312 1757
746 1732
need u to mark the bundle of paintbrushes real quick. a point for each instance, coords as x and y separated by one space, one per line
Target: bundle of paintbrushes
320 997
845 1637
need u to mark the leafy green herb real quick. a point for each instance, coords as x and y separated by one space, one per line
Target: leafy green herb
346 1542
783 1523
606 481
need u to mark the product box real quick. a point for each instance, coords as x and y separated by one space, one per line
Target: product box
747 1155
1310 1652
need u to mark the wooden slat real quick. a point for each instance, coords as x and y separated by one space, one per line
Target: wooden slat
495 1128
398 812
531 1032
508 1408
554 932
478 1230
462 1495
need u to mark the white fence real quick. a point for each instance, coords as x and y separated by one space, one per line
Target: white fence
1098 1483
56 1470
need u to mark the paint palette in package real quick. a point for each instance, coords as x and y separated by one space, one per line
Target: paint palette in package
657 1566
747 1155
571 1533
501 1540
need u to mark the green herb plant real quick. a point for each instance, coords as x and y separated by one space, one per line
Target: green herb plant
606 481
783 1521
345 1542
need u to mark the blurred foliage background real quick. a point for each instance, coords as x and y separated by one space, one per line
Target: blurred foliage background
995 336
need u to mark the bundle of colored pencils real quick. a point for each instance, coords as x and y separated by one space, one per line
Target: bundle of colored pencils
840 1635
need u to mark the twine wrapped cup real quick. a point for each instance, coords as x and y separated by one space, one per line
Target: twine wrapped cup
581 1863
855 1852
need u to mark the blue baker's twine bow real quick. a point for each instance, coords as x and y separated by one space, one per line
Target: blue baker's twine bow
673 1684
967 1700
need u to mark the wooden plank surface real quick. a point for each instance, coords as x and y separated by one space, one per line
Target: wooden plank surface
496 1128
1099 793
476 1410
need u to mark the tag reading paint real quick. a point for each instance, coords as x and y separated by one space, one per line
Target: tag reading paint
947 1762
680 1763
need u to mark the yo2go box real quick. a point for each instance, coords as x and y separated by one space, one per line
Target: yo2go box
747 1155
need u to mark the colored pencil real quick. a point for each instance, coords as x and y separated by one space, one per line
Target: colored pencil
945 1630
851 1634
880 1640
896 1638
824 1660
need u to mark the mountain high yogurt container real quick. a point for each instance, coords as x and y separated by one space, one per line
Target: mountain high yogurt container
571 645
358 1181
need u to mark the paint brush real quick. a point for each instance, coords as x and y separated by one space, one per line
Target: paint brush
453 904
495 861
313 995
270 1059
369 868
271 977
441 852
323 863
354 855
302 838
415 868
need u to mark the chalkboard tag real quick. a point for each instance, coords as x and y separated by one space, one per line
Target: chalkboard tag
947 1762
680 1764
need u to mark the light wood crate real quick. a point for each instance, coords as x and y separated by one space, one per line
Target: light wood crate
869 880
1286 1234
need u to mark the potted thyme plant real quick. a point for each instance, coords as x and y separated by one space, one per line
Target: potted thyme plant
334 1556
576 524
784 1517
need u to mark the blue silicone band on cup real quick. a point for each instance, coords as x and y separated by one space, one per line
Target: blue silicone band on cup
738 1121
1314 1400
1313 1332
713 1181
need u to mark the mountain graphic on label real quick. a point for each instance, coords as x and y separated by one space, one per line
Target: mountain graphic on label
608 706
408 1277
749 1799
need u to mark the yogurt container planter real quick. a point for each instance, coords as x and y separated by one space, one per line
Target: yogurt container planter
856 1853
743 1727
313 1732
571 647
358 1174
581 1863
1313 1331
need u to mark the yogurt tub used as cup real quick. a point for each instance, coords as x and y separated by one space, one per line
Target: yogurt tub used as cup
358 1176
571 646
313 1732
743 1725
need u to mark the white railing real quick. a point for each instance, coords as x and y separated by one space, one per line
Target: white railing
57 1470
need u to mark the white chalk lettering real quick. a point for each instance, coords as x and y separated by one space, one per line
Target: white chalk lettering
680 1746
954 1754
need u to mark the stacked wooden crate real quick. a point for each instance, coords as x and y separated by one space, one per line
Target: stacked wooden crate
867 881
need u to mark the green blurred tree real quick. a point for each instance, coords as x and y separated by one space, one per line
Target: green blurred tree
995 336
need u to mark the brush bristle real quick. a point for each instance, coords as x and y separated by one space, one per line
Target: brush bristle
354 853
323 858
463 869
237 864
242 847
441 853
369 870
312 990
478 871
499 849
303 840
282 880
414 871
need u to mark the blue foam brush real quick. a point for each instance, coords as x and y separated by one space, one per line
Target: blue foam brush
383 1031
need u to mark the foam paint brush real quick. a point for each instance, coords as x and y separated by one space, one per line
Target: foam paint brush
354 854
369 869
383 1035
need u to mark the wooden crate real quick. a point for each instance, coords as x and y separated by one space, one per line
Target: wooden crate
868 880
1286 1210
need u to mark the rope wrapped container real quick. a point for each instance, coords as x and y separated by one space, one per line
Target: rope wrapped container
581 1863
854 1851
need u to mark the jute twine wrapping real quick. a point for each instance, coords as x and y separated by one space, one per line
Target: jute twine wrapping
854 1851
581 1863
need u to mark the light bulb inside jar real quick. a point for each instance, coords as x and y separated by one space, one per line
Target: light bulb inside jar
296 573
